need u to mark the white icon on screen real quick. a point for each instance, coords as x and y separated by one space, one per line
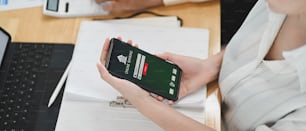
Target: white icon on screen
122 59
173 78
172 84
174 71
171 91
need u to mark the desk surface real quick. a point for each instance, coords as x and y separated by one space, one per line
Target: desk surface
31 25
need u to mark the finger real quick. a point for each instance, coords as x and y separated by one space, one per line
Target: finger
114 6
160 56
170 102
100 1
166 56
108 6
104 51
130 42
136 45
119 38
159 98
105 75
171 57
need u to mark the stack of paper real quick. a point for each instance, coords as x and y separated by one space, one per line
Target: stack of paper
86 99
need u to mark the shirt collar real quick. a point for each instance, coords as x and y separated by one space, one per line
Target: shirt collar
275 22
297 59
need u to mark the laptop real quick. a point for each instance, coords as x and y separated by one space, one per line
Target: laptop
29 73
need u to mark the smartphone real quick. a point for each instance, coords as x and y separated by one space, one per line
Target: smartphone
150 72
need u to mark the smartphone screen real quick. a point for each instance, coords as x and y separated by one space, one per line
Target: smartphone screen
145 70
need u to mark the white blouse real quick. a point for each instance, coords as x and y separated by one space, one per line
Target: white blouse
261 95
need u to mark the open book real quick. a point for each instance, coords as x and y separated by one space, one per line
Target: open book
86 101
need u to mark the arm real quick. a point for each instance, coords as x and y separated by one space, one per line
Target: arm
168 118
135 5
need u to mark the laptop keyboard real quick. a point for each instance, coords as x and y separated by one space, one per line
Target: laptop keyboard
16 96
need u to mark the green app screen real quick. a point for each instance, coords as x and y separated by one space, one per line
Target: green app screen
149 72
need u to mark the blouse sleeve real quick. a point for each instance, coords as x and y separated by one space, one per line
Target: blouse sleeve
295 121
173 2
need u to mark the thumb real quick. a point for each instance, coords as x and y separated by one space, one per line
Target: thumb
104 74
176 59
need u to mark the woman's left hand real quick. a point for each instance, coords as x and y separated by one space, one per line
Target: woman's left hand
126 88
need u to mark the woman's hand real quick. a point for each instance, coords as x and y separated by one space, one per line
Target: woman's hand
196 72
129 5
126 88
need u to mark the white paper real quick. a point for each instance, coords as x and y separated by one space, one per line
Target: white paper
166 21
19 4
98 116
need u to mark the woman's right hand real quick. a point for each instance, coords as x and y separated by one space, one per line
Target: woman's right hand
196 72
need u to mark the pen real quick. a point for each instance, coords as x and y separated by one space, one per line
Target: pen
59 86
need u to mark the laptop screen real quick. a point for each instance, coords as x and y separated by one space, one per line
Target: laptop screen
4 39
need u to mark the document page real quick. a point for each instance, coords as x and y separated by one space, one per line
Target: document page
87 96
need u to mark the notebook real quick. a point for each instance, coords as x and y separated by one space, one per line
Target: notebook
29 73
